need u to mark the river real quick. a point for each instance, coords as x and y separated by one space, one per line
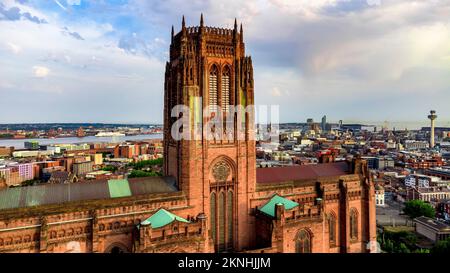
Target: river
20 143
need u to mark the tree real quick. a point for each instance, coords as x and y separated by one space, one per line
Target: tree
417 208
421 250
402 248
442 247
139 173
146 163
110 168
388 246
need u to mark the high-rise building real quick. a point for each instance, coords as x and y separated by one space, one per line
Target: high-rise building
324 123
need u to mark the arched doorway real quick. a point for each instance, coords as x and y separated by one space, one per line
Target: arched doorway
116 248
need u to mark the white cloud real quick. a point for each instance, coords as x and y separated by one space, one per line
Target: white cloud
338 54
74 2
276 92
14 48
40 71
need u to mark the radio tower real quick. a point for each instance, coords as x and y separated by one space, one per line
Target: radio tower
432 116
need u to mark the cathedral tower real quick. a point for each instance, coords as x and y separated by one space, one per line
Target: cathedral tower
208 69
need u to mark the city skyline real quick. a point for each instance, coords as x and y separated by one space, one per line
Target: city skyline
82 61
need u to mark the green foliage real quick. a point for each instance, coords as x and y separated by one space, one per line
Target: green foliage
139 173
442 247
421 250
402 248
417 208
106 154
6 135
399 241
388 246
146 163
109 168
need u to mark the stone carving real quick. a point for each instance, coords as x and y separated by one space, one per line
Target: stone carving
221 171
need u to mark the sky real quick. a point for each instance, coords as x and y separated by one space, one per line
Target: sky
104 60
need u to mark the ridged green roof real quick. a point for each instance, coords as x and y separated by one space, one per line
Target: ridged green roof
119 188
46 194
269 207
161 218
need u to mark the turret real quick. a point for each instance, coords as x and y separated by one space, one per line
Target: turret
235 30
202 25
183 27
242 34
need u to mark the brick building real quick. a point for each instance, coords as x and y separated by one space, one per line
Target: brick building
212 197
6 151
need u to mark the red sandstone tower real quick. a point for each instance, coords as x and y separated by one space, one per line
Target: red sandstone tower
208 68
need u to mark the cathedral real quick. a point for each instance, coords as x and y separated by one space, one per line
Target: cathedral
212 198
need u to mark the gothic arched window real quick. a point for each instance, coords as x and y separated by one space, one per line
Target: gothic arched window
303 242
221 221
225 92
332 229
222 206
212 207
353 224
229 218
213 100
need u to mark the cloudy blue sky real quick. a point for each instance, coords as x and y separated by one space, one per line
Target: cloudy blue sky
103 61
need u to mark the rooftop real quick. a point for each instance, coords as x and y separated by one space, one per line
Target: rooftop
162 218
47 194
437 225
300 172
269 207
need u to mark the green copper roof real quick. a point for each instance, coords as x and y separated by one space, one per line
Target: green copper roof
10 198
269 207
161 218
47 194
119 188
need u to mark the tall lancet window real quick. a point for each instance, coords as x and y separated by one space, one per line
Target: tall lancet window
212 216
225 98
222 207
230 218
303 242
213 89
353 224
332 229
221 221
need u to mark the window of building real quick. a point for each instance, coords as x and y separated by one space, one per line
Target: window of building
353 224
222 207
332 229
225 92
221 221
212 207
303 242
229 218
213 100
